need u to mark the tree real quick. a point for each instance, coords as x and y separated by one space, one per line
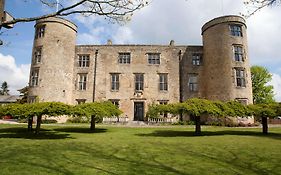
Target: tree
193 107
23 94
265 111
255 5
4 89
96 110
262 93
115 10
200 107
47 108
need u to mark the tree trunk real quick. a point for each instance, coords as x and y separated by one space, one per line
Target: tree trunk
181 116
39 120
197 125
93 122
264 125
29 123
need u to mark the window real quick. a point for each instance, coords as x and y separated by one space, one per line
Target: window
240 77
82 84
163 102
192 83
238 53
139 78
34 77
84 60
196 59
40 31
163 82
124 58
32 99
243 101
153 58
37 55
236 30
115 102
114 82
81 101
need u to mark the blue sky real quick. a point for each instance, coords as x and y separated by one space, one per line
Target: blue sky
157 23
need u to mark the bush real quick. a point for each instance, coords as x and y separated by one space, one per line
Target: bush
49 121
23 120
221 121
78 120
184 123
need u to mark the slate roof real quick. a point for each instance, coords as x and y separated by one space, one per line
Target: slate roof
9 98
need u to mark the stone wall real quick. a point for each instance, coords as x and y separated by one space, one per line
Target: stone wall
57 60
219 82
107 63
59 68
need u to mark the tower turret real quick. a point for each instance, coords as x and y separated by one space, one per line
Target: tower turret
51 74
226 74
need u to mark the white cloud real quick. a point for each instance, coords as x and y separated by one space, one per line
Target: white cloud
182 20
263 36
123 35
93 37
15 76
276 83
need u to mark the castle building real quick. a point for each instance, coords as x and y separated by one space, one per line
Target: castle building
136 76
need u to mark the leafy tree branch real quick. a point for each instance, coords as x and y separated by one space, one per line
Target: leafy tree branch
114 10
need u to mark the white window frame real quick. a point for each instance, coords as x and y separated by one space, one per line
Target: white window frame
163 102
236 30
240 77
40 31
81 101
139 81
193 82
238 53
163 82
37 56
83 60
34 77
124 58
82 82
153 58
32 99
244 101
115 78
116 102
196 59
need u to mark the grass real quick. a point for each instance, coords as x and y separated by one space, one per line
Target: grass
112 150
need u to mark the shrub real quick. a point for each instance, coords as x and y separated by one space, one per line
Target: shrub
184 123
78 120
49 121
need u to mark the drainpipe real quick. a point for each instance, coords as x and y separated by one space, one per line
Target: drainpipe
180 81
95 75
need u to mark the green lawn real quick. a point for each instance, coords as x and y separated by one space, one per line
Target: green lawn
70 149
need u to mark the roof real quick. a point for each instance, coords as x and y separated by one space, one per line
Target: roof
9 98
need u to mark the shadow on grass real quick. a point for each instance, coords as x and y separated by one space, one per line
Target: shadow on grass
80 130
171 133
24 134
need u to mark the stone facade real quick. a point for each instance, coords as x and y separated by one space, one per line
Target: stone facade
135 76
2 5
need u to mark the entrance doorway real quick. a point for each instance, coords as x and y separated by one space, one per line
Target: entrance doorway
138 111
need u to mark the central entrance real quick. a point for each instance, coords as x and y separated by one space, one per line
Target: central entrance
138 111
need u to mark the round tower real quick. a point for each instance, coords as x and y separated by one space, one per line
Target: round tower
226 64
51 73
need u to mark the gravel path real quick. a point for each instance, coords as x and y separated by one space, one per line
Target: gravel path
8 122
